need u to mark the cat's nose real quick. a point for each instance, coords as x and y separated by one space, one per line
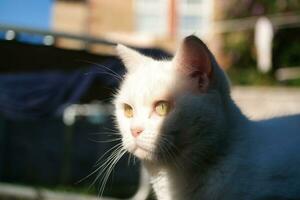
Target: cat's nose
135 132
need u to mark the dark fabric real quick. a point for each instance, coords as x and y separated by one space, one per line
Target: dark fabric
35 95
46 94
36 147
45 152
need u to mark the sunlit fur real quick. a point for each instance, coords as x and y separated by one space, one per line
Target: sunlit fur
171 140
204 148
147 84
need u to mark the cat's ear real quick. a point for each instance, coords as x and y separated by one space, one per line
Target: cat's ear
193 59
131 58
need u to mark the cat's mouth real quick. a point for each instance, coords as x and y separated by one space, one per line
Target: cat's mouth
142 148
139 147
142 152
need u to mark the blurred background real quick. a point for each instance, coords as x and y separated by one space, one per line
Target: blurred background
58 71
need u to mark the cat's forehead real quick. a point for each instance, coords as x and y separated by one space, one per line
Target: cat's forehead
151 82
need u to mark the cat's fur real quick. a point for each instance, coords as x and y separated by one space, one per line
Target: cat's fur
205 148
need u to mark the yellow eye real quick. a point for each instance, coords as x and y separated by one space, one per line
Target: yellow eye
162 108
128 111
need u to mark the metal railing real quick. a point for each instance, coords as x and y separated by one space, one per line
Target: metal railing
15 30
279 21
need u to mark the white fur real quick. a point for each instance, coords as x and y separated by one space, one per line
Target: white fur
141 92
147 82
174 148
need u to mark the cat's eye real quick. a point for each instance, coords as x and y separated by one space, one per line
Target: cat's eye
128 111
162 108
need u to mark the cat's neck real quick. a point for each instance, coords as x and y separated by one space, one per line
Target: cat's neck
165 181
234 115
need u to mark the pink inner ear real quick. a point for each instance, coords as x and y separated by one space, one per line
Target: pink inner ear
193 60
194 57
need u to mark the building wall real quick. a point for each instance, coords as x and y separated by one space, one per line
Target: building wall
195 17
152 17
70 17
144 21
110 16
216 41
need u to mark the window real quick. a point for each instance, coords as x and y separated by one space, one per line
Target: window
151 16
194 17
193 1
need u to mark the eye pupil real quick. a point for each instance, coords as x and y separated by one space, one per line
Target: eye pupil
162 108
128 111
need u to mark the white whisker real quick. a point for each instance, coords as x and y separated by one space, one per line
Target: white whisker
113 73
109 170
97 169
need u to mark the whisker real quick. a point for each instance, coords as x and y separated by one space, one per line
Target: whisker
103 66
109 129
94 171
109 170
113 75
129 157
114 148
106 133
106 141
107 163
168 148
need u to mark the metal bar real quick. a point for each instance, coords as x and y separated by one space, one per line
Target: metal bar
279 22
10 191
287 73
3 140
34 31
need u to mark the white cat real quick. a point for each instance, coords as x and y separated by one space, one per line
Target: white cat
178 118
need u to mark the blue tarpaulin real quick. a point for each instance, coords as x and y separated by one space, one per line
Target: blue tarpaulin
34 95
43 94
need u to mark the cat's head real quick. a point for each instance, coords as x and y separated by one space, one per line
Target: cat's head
158 98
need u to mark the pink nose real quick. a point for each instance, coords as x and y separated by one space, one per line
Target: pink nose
135 132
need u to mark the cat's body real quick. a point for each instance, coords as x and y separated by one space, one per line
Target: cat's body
202 147
262 163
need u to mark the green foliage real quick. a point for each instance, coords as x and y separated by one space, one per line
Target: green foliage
248 8
250 76
286 48
239 46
